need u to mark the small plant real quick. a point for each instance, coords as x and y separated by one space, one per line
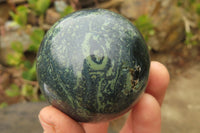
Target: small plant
13 91
29 92
39 6
190 39
20 17
3 105
198 9
15 58
30 72
145 25
36 38
68 10
19 59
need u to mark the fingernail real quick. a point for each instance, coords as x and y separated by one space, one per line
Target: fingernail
48 128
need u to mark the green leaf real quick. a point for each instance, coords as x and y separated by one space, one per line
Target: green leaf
30 74
13 91
14 59
145 25
20 16
198 9
17 46
36 38
3 105
27 64
68 10
41 97
42 5
27 90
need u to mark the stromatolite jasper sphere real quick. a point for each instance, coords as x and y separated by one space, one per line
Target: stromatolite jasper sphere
93 65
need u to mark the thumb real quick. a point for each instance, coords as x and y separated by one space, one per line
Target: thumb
54 121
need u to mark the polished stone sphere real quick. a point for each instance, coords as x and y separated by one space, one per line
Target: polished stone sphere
93 65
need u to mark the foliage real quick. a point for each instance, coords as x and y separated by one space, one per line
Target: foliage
13 91
20 17
15 59
145 25
198 8
190 39
18 58
39 6
36 38
192 15
27 91
68 10
30 72
3 105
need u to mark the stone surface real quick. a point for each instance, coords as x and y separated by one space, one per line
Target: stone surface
60 5
181 107
21 118
166 18
93 65
134 8
8 38
169 25
51 16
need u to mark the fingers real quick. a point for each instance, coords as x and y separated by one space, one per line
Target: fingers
54 121
158 81
96 127
145 117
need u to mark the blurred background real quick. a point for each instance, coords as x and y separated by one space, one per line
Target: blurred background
171 29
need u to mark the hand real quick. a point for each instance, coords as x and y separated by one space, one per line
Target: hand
145 116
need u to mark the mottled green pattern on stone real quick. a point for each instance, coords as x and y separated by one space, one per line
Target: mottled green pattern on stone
92 65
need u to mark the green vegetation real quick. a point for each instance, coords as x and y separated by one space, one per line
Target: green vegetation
26 91
16 58
3 105
145 25
68 10
20 17
189 40
13 91
19 59
192 8
39 6
36 37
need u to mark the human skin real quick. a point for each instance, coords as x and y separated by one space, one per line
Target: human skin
144 117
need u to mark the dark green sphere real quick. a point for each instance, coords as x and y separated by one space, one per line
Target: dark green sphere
93 65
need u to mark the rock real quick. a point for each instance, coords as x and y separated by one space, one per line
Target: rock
60 6
21 118
132 9
170 29
8 38
110 4
11 26
166 17
52 16
77 4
